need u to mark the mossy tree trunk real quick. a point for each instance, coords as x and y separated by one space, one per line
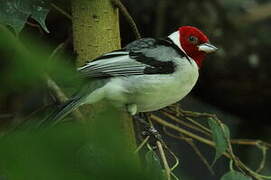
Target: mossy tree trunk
95 27
96 31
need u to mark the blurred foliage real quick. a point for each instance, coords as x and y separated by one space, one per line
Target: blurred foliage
153 165
234 175
24 68
74 151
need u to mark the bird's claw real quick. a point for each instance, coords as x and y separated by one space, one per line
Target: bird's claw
149 130
153 133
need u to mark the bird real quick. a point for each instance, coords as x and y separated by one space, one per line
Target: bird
146 75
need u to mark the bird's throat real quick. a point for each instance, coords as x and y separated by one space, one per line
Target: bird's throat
199 59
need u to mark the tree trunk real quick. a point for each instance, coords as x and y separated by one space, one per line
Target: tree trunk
95 28
96 31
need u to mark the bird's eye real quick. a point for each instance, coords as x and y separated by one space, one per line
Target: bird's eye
193 39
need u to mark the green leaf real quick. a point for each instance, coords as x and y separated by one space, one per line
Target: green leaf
221 135
234 175
96 151
12 13
39 14
16 12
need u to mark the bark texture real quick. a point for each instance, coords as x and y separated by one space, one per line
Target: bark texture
95 28
96 31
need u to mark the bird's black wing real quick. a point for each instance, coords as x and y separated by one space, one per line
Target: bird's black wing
143 56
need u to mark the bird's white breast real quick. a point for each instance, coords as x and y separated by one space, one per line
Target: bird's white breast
153 92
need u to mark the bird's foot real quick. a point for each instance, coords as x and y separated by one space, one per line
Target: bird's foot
148 129
153 133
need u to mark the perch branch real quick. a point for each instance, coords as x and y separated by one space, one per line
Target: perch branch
164 159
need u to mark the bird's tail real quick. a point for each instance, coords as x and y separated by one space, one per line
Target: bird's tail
62 111
77 100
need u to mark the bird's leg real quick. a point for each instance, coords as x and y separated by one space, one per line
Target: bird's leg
132 109
143 119
149 130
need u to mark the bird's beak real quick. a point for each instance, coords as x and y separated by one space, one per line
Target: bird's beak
208 48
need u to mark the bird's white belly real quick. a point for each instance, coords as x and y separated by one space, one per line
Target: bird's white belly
157 93
153 92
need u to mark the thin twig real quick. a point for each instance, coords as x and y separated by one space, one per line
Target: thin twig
60 95
191 113
199 125
128 17
181 130
251 172
57 50
250 142
263 161
191 126
56 89
142 144
61 11
174 156
164 159
176 159
239 164
194 147
204 160
176 109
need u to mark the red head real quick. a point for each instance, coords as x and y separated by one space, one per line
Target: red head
195 43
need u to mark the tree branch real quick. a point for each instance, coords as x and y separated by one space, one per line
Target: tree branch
61 11
128 17
59 94
164 159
